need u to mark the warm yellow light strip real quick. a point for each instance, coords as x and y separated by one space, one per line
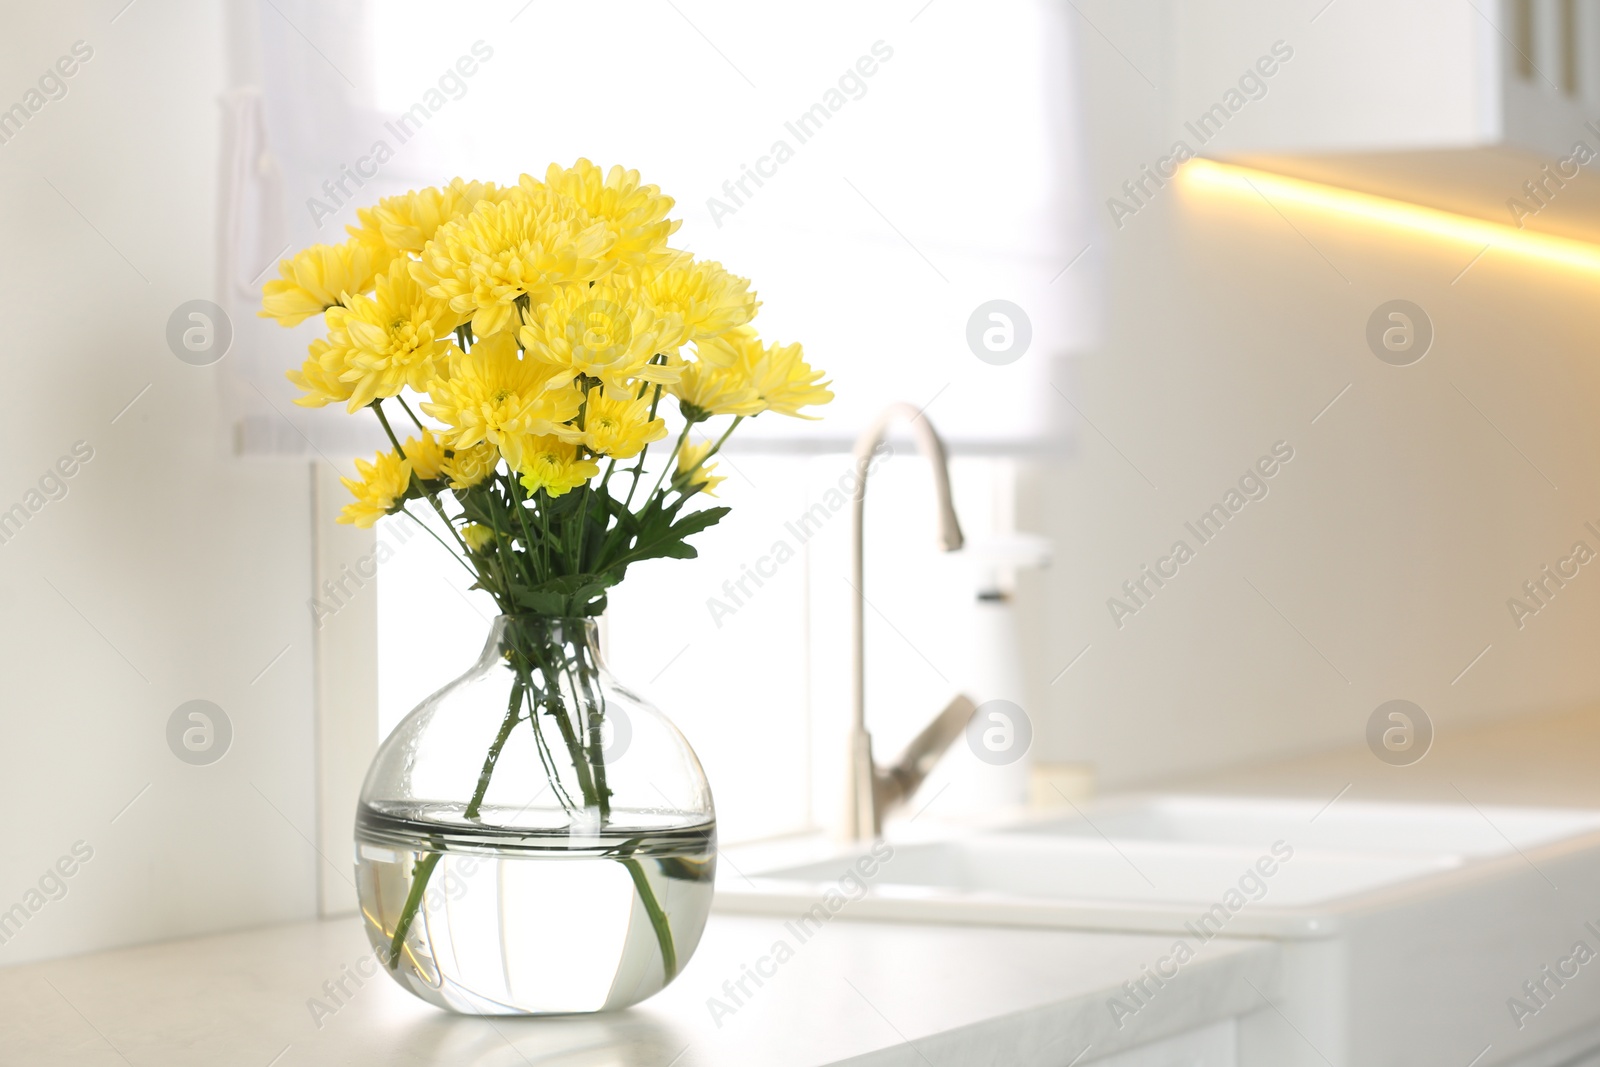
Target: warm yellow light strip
1472 233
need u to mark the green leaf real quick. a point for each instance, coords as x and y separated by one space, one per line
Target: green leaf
665 538
568 595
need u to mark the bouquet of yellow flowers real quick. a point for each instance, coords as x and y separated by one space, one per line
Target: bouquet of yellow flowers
538 328
540 324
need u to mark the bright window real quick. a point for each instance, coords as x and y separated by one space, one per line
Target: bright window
880 174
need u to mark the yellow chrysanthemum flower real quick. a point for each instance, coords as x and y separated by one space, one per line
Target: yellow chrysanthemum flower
316 279
525 245
425 454
779 374
786 383
382 483
401 225
600 331
620 427
476 535
694 473
710 388
495 395
387 342
697 300
634 214
580 316
551 464
318 378
466 467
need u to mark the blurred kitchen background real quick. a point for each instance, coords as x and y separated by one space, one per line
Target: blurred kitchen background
1180 328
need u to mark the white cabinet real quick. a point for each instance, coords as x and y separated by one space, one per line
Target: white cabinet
1369 76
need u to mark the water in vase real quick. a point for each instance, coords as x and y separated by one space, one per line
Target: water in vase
532 921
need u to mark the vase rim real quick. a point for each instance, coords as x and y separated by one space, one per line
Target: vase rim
533 616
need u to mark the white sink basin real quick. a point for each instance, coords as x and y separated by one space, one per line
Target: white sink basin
1404 928
1343 826
1156 864
1015 879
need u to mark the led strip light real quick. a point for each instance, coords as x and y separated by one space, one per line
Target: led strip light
1463 229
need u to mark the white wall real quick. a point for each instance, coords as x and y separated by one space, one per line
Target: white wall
170 571
1392 541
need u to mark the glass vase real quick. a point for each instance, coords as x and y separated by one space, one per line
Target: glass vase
535 838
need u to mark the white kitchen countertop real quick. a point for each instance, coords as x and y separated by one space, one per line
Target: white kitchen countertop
884 994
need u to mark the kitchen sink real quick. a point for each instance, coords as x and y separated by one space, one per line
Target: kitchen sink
1032 880
1343 825
1156 864
1404 929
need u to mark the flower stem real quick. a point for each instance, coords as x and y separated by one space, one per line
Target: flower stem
734 425
517 500
453 555
547 759
595 706
377 409
658 917
513 713
408 411
419 882
672 459
556 708
638 469
424 868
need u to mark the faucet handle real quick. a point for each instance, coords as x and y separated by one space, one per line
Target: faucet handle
908 772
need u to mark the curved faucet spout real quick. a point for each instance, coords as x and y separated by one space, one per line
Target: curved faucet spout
932 449
874 790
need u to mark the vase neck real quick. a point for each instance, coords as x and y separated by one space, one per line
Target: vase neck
529 635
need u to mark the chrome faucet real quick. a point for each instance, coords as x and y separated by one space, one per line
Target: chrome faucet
873 790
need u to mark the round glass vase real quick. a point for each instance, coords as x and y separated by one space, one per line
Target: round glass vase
535 838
